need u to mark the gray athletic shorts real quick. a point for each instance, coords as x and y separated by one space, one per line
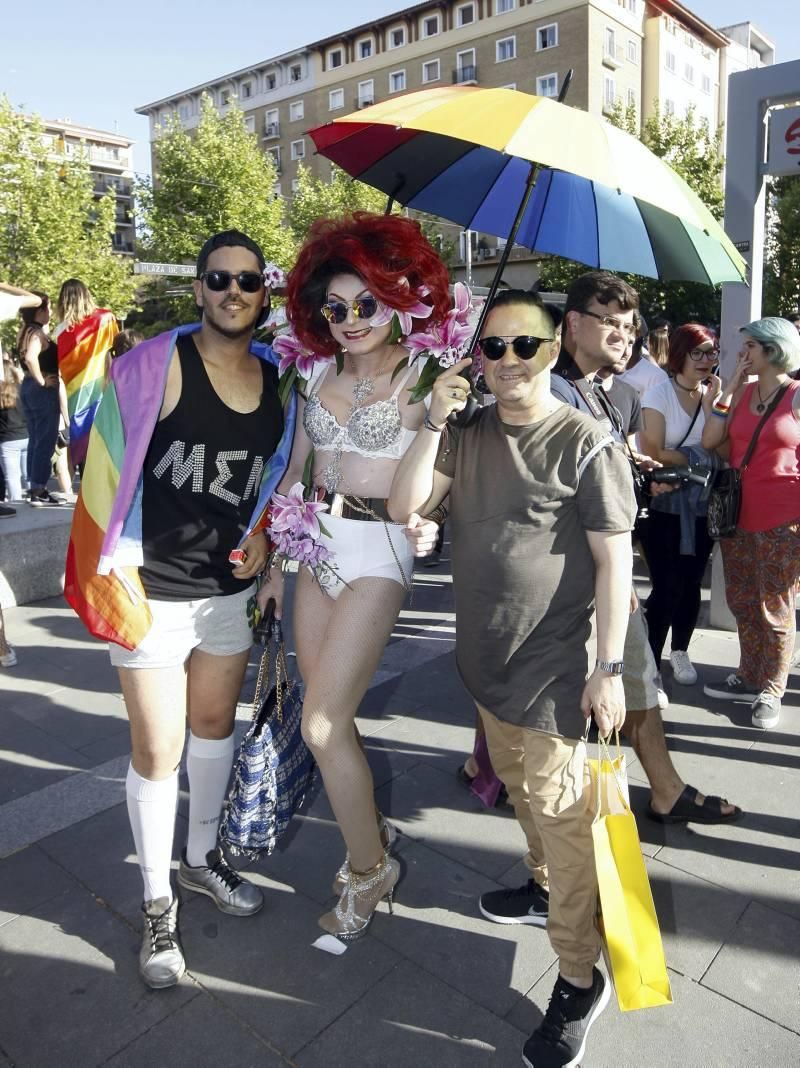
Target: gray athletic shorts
215 625
639 678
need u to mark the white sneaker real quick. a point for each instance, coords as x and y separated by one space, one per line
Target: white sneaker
683 670
661 693
9 659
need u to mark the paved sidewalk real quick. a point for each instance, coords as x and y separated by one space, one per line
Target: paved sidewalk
434 985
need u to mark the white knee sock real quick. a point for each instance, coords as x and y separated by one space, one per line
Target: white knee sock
208 765
151 810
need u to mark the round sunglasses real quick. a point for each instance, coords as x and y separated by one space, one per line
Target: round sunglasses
335 311
524 346
219 281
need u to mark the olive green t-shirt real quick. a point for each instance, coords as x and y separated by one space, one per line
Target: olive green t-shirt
521 502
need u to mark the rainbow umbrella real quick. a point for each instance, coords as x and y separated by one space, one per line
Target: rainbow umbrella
571 183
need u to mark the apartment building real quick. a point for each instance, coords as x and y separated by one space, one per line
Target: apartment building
110 163
747 48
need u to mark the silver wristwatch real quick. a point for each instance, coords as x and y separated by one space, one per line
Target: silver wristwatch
610 667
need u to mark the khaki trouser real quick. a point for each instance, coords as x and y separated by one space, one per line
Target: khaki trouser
547 780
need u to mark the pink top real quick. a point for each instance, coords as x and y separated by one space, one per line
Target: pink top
771 483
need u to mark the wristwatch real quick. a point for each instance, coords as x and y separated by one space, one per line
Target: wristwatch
610 667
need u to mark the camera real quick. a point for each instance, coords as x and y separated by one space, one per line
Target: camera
698 474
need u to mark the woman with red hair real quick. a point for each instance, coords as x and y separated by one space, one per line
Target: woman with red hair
675 538
360 285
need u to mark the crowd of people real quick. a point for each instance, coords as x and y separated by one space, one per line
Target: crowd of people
542 490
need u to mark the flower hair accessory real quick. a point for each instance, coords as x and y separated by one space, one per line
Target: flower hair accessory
405 319
273 276
444 343
296 361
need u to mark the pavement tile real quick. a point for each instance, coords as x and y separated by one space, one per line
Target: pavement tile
758 966
27 880
198 1033
444 746
30 758
700 1028
265 970
432 807
412 1018
71 988
84 716
437 925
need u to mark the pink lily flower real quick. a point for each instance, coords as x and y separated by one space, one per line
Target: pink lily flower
446 341
290 514
293 353
417 311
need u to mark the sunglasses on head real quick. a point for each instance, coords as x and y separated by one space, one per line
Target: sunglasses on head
335 311
524 346
219 281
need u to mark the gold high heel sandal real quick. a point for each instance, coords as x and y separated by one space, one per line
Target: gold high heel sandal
363 890
388 835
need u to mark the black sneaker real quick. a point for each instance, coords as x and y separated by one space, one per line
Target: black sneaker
6 512
526 904
560 1039
46 499
732 688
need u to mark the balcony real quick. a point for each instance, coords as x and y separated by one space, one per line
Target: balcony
613 57
364 102
467 75
272 129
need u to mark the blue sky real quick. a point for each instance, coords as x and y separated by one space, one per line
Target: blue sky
94 62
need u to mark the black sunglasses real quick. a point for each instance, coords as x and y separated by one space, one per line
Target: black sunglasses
335 311
219 281
525 346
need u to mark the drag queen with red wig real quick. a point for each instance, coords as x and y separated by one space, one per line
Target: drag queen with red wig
361 284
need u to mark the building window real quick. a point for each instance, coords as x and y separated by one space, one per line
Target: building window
466 71
276 191
296 110
669 61
335 58
609 92
610 43
272 126
295 184
397 37
250 123
270 81
706 84
431 71
225 97
183 112
299 149
247 90
633 51
501 6
397 81
547 37
430 26
631 98
629 5
669 107
295 72
366 93
275 154
505 49
465 15
365 48
688 73
547 85
335 99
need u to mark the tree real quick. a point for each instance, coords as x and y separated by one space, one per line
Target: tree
782 274
52 226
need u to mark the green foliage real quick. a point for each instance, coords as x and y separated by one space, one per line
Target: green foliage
782 273
52 227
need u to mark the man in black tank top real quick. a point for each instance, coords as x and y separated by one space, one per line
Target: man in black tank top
220 422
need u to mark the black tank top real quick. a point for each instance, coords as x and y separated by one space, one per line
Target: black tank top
48 354
202 475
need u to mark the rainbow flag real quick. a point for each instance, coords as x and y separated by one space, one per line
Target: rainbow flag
82 353
105 549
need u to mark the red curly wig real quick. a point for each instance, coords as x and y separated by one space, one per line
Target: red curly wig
681 342
382 250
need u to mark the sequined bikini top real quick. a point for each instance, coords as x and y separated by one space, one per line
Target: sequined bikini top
375 430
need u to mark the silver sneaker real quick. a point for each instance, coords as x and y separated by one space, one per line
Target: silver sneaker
226 888
161 962
766 711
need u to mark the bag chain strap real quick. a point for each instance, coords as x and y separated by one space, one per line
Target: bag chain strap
362 506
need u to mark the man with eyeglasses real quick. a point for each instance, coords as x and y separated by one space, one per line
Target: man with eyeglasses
541 509
189 443
599 319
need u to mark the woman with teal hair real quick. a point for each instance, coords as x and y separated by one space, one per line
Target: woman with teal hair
762 559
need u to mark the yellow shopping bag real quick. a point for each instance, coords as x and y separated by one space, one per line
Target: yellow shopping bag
628 922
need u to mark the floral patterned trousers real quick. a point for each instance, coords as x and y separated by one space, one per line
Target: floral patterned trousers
762 569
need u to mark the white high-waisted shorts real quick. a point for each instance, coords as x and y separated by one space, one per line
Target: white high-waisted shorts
361 550
214 625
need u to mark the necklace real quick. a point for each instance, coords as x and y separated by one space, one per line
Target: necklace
763 401
686 389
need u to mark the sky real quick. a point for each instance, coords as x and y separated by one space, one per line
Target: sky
94 62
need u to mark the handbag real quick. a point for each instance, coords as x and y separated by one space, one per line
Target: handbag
274 768
628 922
725 499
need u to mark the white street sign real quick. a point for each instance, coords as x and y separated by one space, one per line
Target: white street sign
784 141
186 269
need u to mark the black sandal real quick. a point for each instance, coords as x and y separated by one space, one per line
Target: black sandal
686 810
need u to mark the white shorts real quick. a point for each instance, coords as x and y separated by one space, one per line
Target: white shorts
361 550
215 625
